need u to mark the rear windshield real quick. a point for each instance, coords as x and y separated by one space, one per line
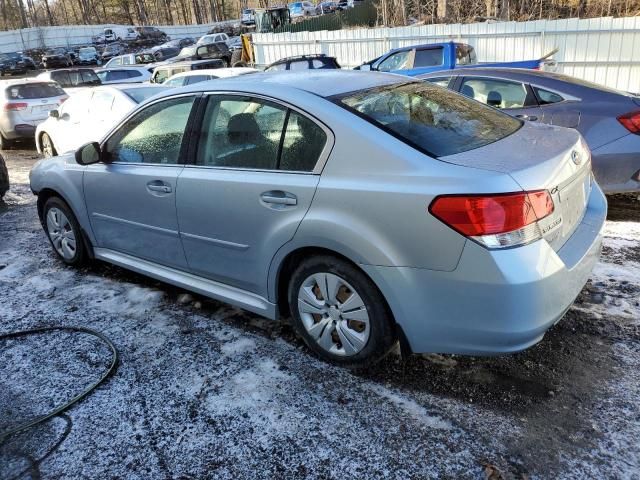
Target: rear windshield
33 90
429 118
140 94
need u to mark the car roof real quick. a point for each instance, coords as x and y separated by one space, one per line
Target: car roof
324 83
23 81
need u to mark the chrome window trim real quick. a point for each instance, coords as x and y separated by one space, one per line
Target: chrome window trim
322 158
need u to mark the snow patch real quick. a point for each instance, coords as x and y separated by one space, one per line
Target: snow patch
239 346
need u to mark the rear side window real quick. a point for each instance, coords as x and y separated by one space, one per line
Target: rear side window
33 90
429 57
429 118
545 97
243 132
62 78
497 93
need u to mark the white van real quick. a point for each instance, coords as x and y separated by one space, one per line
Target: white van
113 34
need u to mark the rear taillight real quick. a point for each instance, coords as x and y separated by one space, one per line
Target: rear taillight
62 99
631 121
15 107
498 220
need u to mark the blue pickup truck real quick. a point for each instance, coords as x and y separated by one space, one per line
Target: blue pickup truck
432 57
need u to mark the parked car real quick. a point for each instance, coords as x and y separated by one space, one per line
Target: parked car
369 208
432 57
609 120
217 50
88 56
248 16
119 34
163 72
130 59
304 62
165 53
302 9
24 104
324 8
197 76
112 50
4 178
88 115
128 74
151 33
213 38
56 57
71 78
179 43
15 63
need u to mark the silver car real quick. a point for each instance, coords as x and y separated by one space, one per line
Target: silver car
23 105
609 120
369 207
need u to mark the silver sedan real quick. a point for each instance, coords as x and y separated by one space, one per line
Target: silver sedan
369 207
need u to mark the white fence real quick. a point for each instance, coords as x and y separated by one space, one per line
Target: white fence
26 38
602 50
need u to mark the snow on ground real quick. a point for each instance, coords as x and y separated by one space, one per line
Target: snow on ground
204 390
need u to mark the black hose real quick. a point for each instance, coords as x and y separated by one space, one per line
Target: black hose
77 398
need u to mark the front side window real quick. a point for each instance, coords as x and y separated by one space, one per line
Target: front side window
428 57
160 76
153 135
243 132
397 61
496 93
431 119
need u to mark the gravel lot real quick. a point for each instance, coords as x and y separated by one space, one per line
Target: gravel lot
204 390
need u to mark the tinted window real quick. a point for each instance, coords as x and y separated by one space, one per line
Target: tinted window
62 78
140 94
496 93
89 77
430 57
302 145
197 78
153 135
546 97
241 132
397 61
429 118
33 90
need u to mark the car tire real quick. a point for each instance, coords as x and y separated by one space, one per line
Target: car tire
339 312
5 143
46 145
64 232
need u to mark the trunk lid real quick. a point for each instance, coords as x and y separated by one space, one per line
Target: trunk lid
542 157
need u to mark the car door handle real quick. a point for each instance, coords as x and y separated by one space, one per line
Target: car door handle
278 197
157 186
531 118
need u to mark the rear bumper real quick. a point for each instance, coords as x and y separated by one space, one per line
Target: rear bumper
616 164
496 301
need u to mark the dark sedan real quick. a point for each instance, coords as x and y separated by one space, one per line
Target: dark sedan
608 119
15 63
56 57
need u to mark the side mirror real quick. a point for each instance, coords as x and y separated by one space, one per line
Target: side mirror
202 50
88 154
54 114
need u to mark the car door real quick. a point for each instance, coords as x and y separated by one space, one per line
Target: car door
131 195
70 129
557 111
255 171
514 98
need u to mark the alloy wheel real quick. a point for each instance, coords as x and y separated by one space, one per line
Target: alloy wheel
61 233
47 146
334 314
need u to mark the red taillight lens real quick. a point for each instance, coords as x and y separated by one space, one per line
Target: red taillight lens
478 215
63 99
14 107
631 121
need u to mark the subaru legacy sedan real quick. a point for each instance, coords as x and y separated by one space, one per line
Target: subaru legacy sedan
369 207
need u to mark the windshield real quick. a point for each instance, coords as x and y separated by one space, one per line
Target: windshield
140 94
429 118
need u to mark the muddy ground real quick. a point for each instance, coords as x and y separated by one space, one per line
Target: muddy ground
203 390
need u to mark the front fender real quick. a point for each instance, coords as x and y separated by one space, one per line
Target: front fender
63 176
